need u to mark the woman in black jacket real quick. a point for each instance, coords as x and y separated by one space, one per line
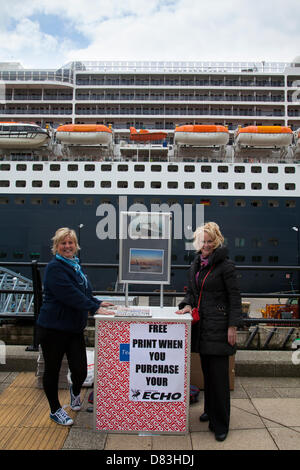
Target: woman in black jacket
67 301
214 336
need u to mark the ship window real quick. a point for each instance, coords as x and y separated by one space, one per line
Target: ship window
155 167
189 168
273 259
106 167
223 169
256 169
5 167
105 184
53 201
256 259
54 167
239 242
206 168
273 202
173 168
273 186
290 204
223 203
34 255
72 167
239 258
88 202
72 184
239 169
155 184
71 201
18 255
3 254
223 185
272 169
122 167
172 184
239 185
139 184
89 167
4 200
289 169
20 184
122 184
21 167
54 184
256 203
256 186
4 184
273 241
139 167
37 167
20 201
89 184
240 203
206 185
290 186
256 242
37 184
189 185
36 201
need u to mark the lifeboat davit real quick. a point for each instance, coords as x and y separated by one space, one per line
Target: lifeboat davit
146 136
263 136
84 134
201 134
22 135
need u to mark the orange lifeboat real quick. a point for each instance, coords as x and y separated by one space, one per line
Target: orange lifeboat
263 136
202 134
84 134
146 136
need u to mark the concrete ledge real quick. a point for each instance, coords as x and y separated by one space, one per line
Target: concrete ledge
247 363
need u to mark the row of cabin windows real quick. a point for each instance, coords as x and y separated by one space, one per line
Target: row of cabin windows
154 184
90 201
154 168
238 258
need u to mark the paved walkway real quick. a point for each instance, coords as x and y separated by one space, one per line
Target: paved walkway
265 415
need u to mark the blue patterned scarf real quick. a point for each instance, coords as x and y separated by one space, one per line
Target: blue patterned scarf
74 262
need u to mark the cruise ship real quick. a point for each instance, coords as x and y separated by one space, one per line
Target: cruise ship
80 144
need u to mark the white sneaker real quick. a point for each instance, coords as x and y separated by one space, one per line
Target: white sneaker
61 417
75 403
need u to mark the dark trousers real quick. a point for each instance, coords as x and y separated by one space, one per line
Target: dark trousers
54 344
216 391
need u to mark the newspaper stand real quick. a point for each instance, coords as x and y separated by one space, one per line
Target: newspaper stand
132 394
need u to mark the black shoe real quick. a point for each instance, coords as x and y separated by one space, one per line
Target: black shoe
204 417
221 437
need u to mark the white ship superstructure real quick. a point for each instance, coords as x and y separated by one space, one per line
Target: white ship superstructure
153 135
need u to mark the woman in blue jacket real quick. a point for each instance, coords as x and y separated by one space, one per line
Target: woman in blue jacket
63 316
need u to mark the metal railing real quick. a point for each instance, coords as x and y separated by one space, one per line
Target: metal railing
23 287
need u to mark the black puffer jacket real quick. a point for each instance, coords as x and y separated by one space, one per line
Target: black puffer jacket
220 303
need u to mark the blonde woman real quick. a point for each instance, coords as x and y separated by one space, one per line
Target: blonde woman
214 335
63 316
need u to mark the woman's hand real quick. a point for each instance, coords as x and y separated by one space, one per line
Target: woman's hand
231 335
185 309
104 311
106 304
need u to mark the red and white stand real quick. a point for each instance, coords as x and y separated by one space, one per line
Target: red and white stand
142 373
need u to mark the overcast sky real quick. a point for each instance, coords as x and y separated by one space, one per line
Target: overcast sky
50 33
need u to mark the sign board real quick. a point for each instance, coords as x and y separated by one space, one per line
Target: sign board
145 247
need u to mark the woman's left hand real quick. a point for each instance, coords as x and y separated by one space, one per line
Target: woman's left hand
231 335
